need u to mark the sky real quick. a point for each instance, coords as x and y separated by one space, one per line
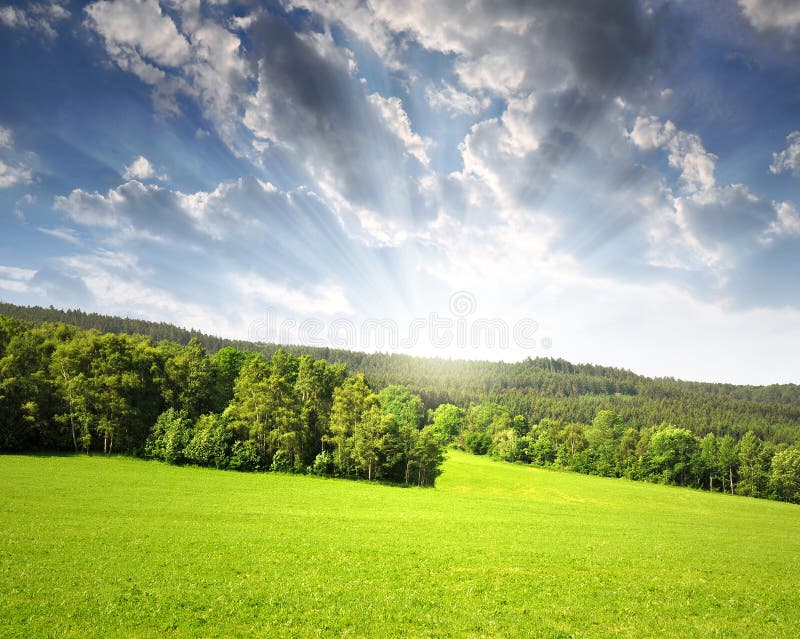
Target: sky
614 182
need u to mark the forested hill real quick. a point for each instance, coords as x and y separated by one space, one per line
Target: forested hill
536 388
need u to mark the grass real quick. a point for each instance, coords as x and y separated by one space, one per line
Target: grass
96 547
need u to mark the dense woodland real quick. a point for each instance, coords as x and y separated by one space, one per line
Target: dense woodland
184 397
66 388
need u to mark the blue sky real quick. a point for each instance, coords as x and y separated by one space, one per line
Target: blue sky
615 182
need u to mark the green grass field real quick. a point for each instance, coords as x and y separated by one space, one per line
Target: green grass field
126 548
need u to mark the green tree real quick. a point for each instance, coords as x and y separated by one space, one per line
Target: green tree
170 436
409 414
211 441
709 458
375 440
784 474
429 455
190 379
671 451
728 461
752 466
448 420
626 453
350 402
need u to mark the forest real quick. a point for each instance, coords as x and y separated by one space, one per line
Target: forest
159 391
65 388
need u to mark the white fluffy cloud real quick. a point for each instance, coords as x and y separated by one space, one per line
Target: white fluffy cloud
152 212
12 171
685 151
15 279
786 223
778 15
138 29
447 97
789 158
202 59
142 169
40 17
12 175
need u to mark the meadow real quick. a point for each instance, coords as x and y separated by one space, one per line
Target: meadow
120 547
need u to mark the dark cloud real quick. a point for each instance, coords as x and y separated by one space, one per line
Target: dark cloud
310 104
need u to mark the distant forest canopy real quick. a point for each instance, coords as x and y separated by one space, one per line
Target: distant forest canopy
541 388
64 387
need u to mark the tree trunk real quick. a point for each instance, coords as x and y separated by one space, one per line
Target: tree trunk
730 470
711 483
369 471
71 420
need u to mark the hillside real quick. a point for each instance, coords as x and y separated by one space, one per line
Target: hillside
536 388
97 547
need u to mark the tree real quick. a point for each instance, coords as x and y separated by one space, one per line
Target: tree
728 460
375 441
671 451
448 421
784 475
626 452
709 458
211 441
228 362
350 401
170 436
752 466
429 455
409 413
190 379
265 408
29 397
603 436
316 382
573 441
505 445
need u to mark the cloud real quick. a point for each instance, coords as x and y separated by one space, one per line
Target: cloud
447 98
12 172
6 138
65 234
743 245
787 222
13 175
685 151
142 169
15 279
137 30
116 281
397 120
39 17
202 59
151 212
789 159
316 300
772 15
511 47
551 167
354 149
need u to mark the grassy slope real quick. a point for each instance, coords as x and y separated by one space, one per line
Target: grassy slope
122 547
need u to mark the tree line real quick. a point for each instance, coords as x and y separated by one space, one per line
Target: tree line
553 407
62 387
612 447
